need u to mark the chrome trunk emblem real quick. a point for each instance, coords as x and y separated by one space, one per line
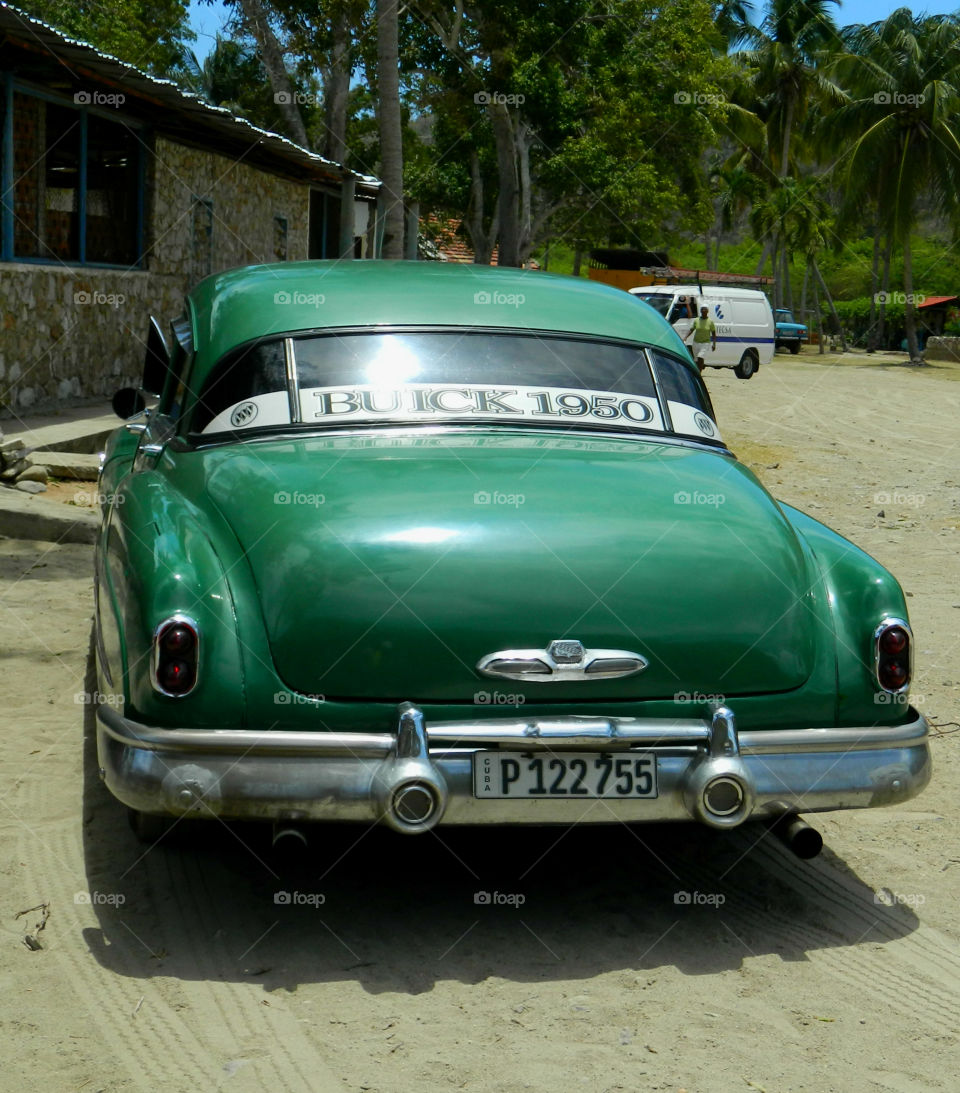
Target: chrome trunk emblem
563 661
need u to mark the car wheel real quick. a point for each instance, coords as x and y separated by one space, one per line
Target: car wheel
148 827
747 366
794 348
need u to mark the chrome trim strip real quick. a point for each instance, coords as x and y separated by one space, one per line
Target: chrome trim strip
529 735
293 381
661 398
309 431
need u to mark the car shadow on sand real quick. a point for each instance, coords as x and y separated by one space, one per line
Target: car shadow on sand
213 901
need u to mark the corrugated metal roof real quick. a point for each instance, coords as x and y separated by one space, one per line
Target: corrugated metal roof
82 60
934 301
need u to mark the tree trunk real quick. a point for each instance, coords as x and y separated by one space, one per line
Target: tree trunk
874 289
524 139
577 258
509 189
787 126
885 291
775 270
336 91
480 239
803 292
909 314
258 21
765 254
816 304
787 283
830 304
391 141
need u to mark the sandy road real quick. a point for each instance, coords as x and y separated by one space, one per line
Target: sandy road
184 973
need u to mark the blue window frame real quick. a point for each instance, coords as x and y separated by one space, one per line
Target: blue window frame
71 180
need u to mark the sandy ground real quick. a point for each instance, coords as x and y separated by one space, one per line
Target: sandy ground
175 969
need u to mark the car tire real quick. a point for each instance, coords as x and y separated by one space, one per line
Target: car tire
147 826
794 348
748 365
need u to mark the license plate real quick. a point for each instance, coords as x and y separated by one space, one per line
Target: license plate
498 774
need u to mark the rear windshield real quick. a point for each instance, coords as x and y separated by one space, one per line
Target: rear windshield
440 377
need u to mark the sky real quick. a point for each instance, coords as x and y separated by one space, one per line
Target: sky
207 19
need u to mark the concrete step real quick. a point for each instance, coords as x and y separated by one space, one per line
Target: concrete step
83 467
79 429
24 516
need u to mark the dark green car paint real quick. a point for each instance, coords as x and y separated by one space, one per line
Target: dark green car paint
395 583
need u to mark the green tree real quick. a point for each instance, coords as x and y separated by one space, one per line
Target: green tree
151 35
902 128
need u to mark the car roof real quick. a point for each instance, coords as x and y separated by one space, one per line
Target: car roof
239 305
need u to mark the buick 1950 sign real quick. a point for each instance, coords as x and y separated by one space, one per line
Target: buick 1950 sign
405 557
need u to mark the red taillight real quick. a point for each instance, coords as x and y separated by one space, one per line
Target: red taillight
893 655
175 657
894 641
178 639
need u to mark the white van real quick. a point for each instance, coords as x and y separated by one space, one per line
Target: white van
746 332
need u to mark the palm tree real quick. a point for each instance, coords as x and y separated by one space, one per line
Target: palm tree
785 60
901 127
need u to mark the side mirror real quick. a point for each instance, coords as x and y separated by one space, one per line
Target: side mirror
128 402
157 363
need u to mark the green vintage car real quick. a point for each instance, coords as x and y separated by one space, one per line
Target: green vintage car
432 544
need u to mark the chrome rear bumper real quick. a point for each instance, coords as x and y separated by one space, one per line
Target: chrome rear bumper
419 776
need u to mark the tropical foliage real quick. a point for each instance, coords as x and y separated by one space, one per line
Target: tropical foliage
771 141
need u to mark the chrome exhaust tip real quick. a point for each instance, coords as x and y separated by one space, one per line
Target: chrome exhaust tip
719 793
414 806
411 791
723 796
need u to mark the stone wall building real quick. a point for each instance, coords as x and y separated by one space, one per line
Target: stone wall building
118 192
